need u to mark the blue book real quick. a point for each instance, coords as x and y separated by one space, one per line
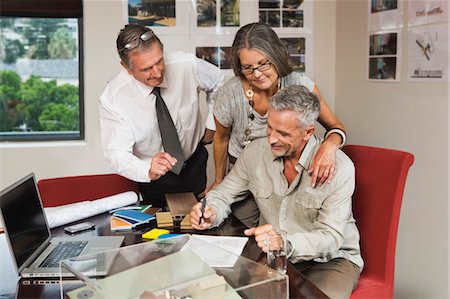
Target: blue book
133 216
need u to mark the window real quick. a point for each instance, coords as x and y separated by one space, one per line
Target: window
41 70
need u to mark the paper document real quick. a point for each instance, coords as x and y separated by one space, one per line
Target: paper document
217 251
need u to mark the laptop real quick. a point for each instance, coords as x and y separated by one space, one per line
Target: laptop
30 242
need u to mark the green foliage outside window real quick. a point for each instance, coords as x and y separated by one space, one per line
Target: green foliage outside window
39 78
35 105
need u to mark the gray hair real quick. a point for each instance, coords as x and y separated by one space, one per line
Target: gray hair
297 98
261 37
130 35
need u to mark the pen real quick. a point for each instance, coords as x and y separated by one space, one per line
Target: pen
203 210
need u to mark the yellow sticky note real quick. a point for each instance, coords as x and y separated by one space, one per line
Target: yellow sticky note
155 233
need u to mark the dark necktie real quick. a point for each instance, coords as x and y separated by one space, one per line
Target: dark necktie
169 134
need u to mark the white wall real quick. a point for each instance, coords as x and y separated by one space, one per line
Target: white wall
408 116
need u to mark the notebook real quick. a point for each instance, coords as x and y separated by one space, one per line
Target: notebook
29 239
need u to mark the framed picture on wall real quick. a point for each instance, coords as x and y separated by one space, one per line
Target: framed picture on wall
428 53
163 16
217 17
288 16
384 52
216 50
300 52
384 15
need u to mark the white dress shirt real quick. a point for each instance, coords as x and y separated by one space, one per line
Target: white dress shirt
129 126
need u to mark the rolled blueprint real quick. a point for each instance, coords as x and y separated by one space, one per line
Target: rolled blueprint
57 216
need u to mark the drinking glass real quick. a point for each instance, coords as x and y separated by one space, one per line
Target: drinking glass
276 241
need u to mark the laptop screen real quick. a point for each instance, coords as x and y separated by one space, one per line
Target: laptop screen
23 218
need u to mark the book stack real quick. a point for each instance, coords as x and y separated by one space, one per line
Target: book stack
128 218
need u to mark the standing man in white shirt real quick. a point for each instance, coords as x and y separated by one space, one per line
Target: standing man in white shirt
131 136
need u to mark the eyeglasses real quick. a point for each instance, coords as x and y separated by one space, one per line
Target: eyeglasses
262 67
144 37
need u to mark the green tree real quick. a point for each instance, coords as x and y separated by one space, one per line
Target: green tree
9 88
62 45
35 95
59 117
63 113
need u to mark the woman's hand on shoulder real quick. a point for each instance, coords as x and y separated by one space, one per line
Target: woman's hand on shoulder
323 163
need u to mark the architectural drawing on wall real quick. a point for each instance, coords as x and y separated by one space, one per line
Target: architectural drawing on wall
428 12
152 12
428 53
229 13
297 51
219 56
206 13
384 15
384 51
281 13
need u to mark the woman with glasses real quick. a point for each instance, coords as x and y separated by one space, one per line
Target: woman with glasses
261 67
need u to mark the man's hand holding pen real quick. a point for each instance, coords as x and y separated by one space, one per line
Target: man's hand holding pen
202 216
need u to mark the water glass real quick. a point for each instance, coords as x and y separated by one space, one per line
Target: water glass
276 241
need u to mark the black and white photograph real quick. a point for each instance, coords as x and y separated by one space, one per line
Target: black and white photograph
383 44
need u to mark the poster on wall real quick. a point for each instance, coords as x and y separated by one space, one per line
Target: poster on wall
427 12
384 15
164 16
428 53
384 56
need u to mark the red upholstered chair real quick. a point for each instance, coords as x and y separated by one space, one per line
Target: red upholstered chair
380 181
67 190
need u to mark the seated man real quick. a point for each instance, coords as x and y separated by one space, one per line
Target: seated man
322 235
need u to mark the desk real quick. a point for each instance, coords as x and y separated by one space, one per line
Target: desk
299 287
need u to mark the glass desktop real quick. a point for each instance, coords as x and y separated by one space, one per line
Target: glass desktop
176 267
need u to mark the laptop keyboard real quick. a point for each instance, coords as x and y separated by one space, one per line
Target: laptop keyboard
64 250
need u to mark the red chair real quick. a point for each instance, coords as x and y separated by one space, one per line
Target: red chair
380 181
67 190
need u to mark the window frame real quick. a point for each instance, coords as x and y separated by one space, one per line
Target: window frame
50 9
